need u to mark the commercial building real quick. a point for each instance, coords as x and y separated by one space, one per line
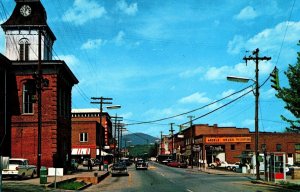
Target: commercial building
87 132
204 143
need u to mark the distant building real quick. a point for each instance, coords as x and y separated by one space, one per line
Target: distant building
87 132
204 143
22 50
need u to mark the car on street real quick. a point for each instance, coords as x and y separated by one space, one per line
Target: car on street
119 168
235 166
166 161
19 168
141 164
220 164
126 161
177 164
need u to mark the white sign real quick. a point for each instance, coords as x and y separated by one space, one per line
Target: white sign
55 171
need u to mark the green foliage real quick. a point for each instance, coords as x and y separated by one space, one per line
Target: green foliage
141 150
291 95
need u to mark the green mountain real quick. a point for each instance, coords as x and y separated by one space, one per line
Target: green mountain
138 139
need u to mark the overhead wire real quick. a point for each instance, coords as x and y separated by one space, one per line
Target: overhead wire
162 119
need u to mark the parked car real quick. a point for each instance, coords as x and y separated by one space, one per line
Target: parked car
166 161
221 164
119 168
235 166
126 161
141 164
85 162
19 168
177 164
74 164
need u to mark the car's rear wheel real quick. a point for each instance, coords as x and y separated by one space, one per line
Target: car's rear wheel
212 166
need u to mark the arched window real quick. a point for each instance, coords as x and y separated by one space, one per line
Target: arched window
24 49
28 96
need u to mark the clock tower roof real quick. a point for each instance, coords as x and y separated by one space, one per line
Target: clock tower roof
36 18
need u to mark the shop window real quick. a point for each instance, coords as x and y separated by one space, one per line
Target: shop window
297 146
232 147
278 147
248 146
264 147
83 137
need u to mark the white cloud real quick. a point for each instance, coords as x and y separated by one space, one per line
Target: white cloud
235 45
227 93
246 14
269 39
129 9
214 73
248 123
82 11
227 124
93 43
195 98
119 39
70 60
270 93
191 73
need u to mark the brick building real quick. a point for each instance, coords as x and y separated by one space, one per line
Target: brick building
22 30
228 143
87 132
5 83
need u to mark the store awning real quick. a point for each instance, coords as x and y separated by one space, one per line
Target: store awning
81 151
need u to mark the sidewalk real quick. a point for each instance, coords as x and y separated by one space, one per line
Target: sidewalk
250 176
34 184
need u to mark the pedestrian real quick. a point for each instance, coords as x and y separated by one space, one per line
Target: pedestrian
90 165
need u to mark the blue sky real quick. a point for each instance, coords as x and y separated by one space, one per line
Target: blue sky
161 58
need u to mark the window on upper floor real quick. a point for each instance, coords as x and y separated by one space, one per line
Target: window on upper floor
248 146
278 147
24 49
28 96
83 137
232 147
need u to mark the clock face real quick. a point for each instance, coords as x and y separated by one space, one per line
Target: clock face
25 10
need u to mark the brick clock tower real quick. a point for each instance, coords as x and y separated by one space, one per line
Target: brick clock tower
23 49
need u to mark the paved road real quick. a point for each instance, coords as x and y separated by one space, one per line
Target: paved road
162 178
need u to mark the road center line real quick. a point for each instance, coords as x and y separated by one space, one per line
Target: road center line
189 190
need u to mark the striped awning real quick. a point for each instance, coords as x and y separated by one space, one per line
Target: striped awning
81 151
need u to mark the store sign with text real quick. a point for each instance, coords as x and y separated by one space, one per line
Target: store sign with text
228 139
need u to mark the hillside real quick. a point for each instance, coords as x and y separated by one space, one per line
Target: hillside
138 139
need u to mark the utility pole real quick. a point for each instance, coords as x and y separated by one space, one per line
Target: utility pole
39 93
172 137
117 119
161 142
101 102
256 58
192 142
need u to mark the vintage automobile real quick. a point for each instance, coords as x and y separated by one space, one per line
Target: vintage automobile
220 164
19 168
141 164
177 164
119 168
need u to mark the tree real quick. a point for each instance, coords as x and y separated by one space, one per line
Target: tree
291 95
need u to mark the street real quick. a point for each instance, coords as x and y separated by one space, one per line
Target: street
162 178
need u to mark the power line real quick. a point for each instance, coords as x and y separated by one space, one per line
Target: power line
162 119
